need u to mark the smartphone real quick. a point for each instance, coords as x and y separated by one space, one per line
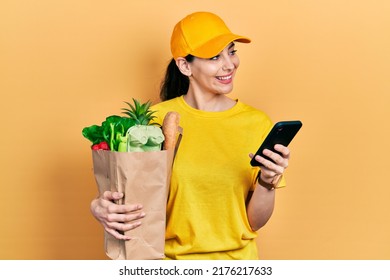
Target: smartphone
282 133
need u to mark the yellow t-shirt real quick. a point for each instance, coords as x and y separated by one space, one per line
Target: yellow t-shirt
211 178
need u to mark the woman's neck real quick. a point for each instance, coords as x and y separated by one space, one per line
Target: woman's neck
209 103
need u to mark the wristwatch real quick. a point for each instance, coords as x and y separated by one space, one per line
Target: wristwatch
268 186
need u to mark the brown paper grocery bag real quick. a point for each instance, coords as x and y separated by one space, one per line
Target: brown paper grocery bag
144 178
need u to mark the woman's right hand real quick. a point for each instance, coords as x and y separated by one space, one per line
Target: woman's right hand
115 218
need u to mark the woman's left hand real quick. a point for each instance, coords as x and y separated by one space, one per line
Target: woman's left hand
271 171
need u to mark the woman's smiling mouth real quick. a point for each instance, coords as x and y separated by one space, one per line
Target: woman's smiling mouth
225 79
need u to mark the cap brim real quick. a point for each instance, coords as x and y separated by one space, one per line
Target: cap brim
216 45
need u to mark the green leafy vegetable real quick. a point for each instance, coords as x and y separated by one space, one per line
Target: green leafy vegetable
112 130
115 131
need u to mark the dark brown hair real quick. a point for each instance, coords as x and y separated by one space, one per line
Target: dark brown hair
174 84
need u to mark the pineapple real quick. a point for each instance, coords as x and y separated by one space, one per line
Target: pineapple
144 135
140 113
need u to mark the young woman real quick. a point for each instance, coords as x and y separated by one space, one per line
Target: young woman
217 200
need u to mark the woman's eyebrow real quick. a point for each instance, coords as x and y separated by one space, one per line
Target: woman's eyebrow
231 45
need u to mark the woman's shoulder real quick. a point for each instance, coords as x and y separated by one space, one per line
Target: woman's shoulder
253 111
165 106
162 108
255 119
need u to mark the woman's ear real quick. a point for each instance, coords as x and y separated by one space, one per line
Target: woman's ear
184 66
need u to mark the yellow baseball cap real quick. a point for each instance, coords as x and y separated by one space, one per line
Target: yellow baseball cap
202 34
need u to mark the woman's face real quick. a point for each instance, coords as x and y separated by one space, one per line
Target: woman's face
214 75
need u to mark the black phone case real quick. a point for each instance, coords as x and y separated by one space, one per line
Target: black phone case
282 133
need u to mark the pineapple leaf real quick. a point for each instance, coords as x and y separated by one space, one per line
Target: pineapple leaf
139 112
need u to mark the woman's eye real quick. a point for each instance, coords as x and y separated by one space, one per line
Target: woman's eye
232 52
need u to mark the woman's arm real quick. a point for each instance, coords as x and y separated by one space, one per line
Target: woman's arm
260 207
115 218
262 200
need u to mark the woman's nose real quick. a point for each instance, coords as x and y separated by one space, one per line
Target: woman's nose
228 64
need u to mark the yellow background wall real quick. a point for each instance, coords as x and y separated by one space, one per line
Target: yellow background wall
65 65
